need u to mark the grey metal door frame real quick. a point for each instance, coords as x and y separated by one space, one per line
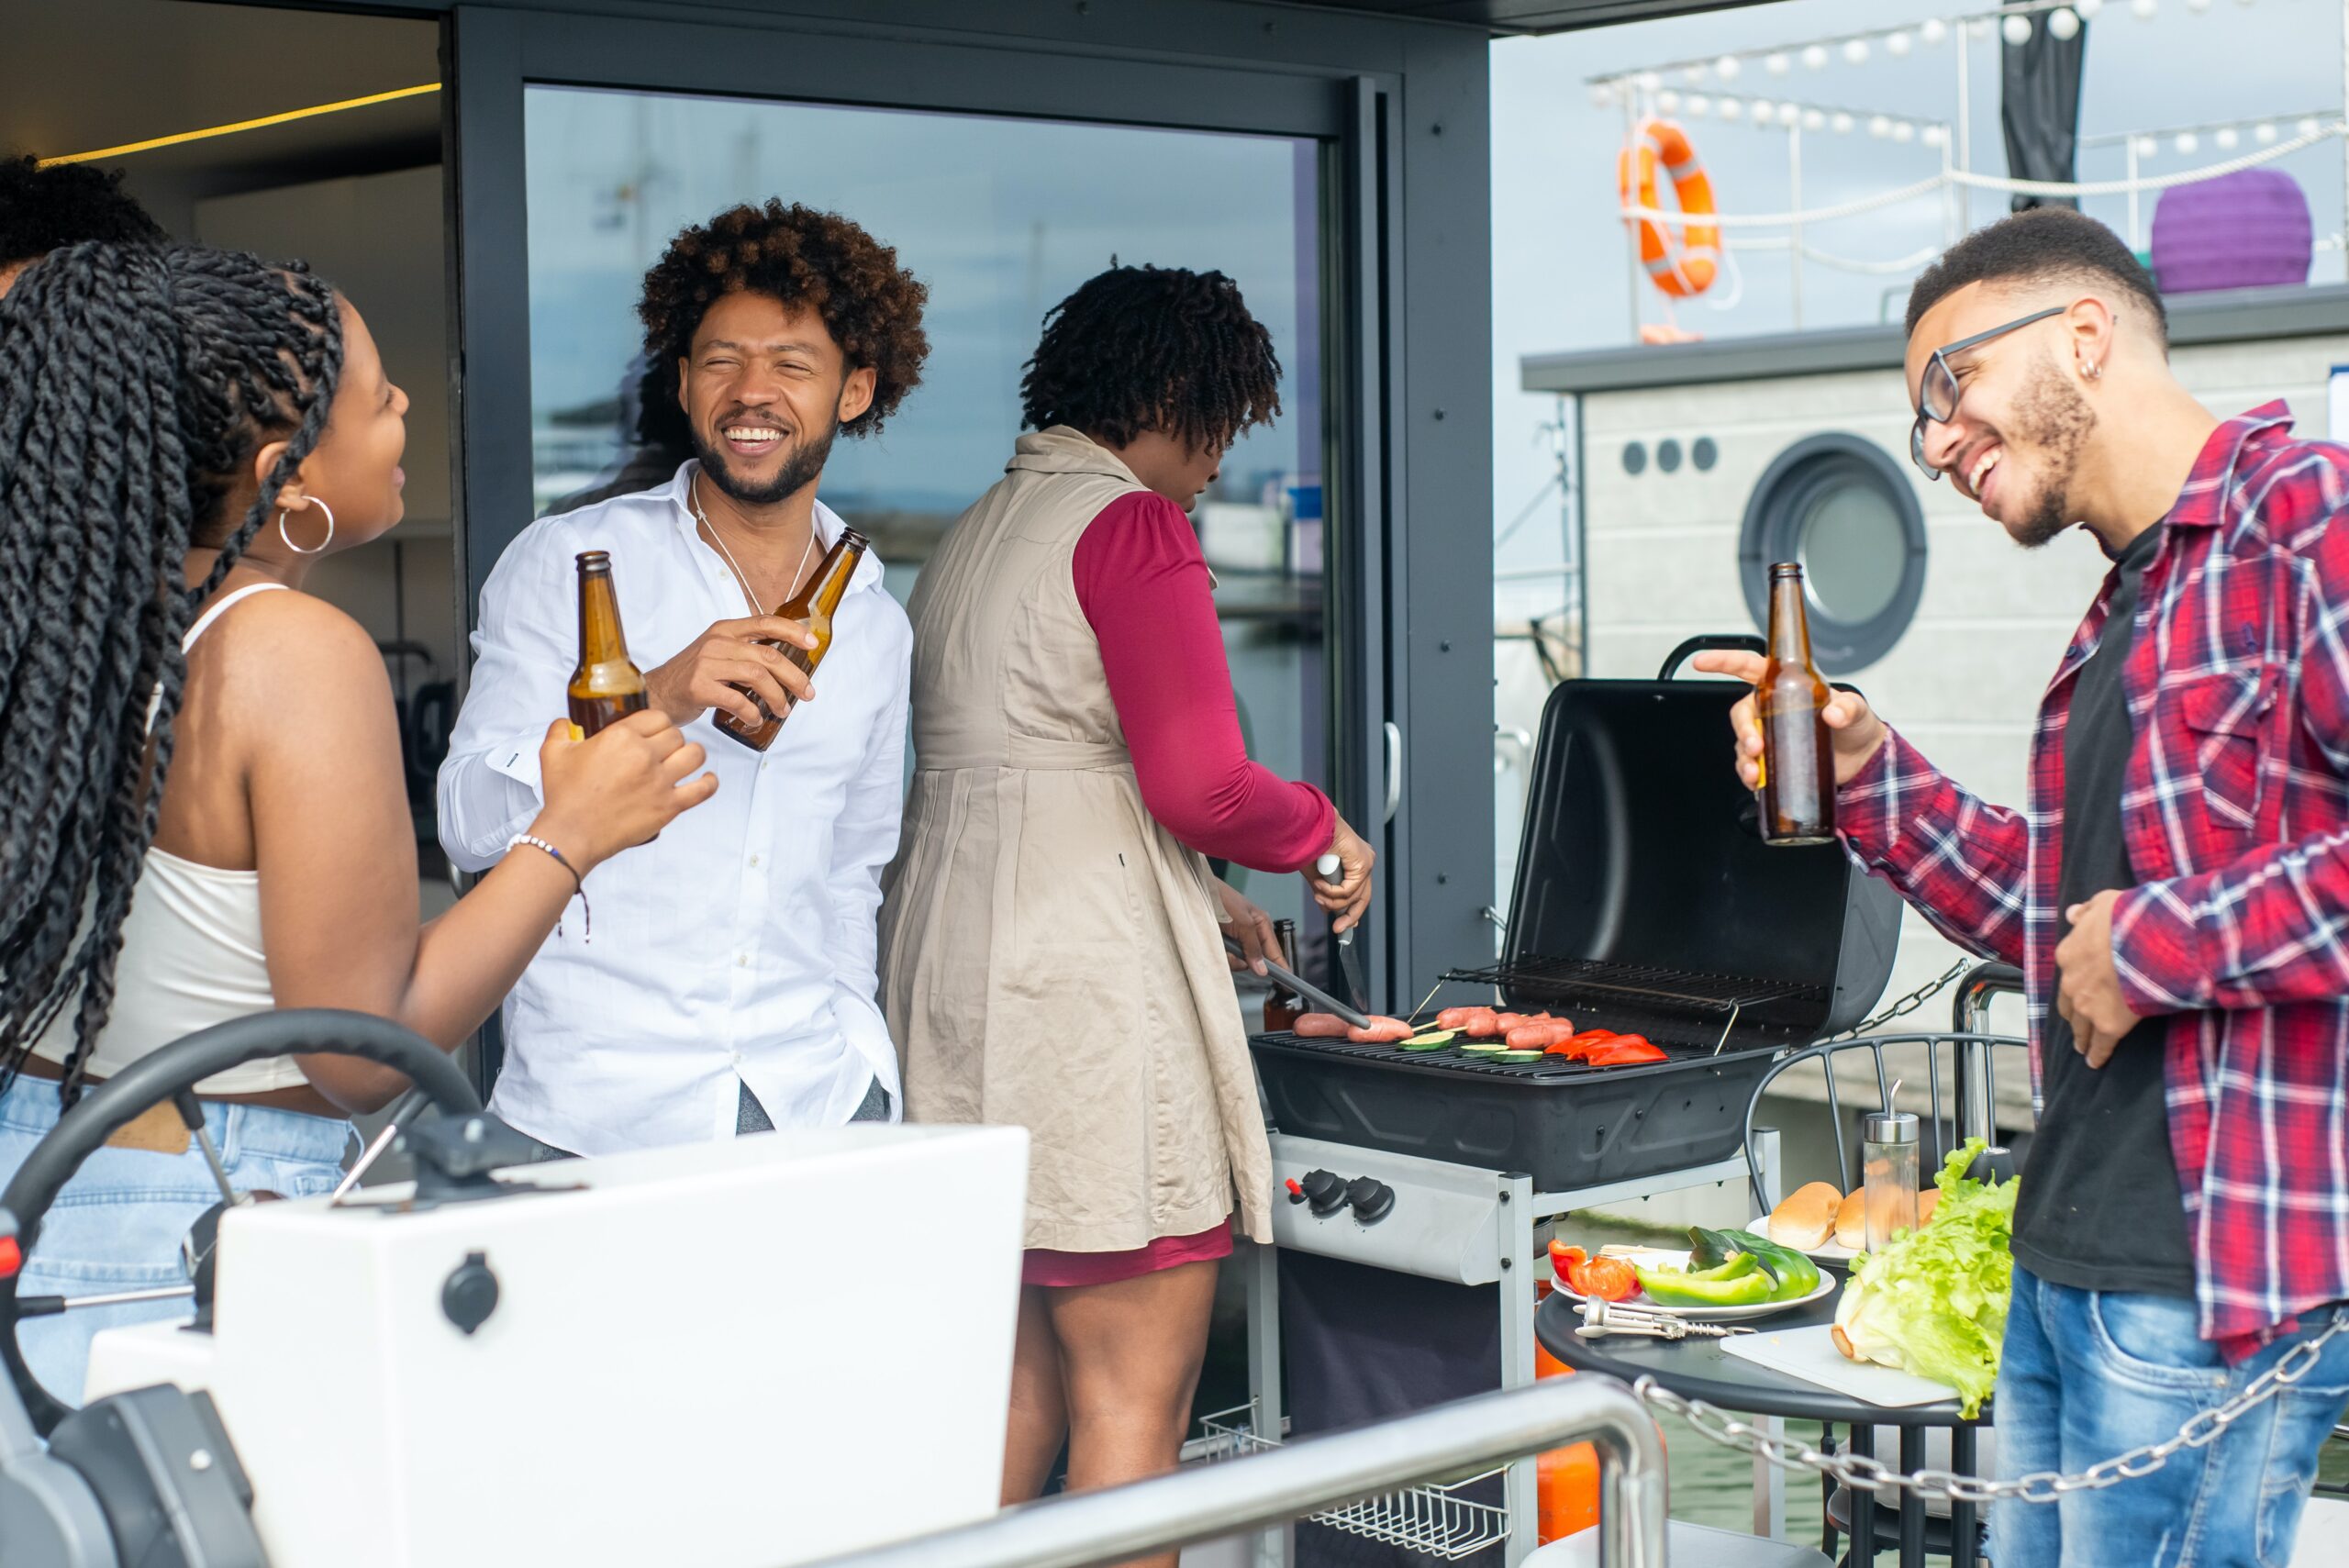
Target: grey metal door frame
1409 295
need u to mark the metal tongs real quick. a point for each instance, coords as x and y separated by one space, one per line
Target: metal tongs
1303 987
1603 1318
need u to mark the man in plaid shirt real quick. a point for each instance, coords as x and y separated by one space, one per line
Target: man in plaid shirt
2177 891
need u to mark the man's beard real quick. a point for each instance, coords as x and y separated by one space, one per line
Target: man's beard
801 469
2053 416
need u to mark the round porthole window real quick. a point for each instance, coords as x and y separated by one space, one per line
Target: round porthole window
1847 512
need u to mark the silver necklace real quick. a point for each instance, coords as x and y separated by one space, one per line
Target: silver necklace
741 578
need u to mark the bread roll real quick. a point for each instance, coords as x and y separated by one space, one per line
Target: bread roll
1852 1220
1806 1219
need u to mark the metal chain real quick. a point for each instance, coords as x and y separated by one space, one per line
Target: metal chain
1868 1475
1909 1004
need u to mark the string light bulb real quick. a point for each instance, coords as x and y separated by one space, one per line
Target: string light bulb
1880 127
2187 143
1761 113
1731 110
2226 139
1897 44
2309 126
2016 30
2062 24
1815 56
1841 123
2143 10
1693 74
1902 131
1777 64
1935 135
1814 119
2087 8
2147 146
1935 32
2263 133
1856 51
1667 101
1650 81
1698 106
1727 67
1602 95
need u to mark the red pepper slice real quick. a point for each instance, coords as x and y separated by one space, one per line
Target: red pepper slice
1609 1279
1625 1051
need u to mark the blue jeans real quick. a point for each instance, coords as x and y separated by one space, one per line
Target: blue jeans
2087 1374
118 1223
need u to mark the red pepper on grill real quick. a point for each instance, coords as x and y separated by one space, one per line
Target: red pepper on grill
1577 1048
1624 1050
1609 1279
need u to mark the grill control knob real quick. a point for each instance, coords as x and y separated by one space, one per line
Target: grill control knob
1372 1199
1325 1191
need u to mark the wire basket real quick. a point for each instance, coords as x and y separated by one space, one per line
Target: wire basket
1436 1521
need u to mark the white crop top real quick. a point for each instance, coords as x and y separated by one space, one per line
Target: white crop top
190 956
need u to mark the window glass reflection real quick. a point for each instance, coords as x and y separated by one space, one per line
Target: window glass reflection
1002 218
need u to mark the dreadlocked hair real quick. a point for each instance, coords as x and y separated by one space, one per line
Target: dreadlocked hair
135 383
1160 348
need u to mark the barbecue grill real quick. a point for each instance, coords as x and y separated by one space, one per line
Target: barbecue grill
1646 903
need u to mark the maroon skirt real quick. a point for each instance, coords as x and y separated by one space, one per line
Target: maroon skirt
1043 1265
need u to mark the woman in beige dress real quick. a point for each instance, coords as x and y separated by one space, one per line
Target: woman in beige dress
1051 942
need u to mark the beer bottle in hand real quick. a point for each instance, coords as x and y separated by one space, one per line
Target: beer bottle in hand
606 686
1798 757
812 607
1283 1007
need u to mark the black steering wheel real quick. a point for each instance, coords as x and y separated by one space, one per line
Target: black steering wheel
166 1076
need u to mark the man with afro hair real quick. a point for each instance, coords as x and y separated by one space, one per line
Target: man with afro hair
729 984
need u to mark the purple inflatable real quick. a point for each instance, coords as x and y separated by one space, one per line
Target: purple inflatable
2241 230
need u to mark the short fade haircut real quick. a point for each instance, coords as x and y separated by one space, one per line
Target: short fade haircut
2047 244
45 209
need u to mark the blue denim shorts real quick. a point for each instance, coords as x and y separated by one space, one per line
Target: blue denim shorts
118 1225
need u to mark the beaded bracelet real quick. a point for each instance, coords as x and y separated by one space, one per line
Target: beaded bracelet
578 888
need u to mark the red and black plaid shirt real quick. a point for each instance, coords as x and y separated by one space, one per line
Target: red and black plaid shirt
2235 810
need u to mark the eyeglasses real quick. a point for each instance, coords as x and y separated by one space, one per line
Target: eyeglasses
1937 389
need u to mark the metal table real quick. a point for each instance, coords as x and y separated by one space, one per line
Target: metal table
1701 1369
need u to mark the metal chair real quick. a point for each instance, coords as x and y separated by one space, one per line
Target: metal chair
1961 1092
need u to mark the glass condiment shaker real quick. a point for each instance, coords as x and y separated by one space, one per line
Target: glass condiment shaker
1888 1153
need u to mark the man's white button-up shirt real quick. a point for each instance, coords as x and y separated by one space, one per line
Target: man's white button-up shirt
739 945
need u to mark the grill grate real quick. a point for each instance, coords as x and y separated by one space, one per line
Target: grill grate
1472 1064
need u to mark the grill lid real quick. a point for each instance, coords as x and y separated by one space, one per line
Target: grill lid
1646 896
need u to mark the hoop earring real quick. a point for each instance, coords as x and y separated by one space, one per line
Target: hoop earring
2095 371
319 548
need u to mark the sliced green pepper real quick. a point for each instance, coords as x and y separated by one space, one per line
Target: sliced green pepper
1798 1276
1709 1248
1669 1288
1738 1266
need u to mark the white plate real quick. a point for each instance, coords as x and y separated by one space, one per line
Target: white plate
1832 1253
1657 1257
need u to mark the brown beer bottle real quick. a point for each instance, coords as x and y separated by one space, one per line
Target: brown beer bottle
1798 757
811 607
1283 1007
606 686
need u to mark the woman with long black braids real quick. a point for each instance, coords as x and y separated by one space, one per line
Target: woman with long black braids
201 810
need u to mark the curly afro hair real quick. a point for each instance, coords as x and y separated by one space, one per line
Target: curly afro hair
47 209
1160 348
871 305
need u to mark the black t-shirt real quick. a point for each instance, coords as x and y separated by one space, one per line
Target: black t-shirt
2099 1207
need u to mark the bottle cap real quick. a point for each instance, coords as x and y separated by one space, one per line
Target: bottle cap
1888 1127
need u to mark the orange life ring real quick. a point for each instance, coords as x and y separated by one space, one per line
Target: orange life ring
1681 260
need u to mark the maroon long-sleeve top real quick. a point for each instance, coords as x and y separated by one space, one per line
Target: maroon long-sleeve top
1143 585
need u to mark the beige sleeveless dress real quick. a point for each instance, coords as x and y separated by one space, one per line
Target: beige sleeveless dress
1050 955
